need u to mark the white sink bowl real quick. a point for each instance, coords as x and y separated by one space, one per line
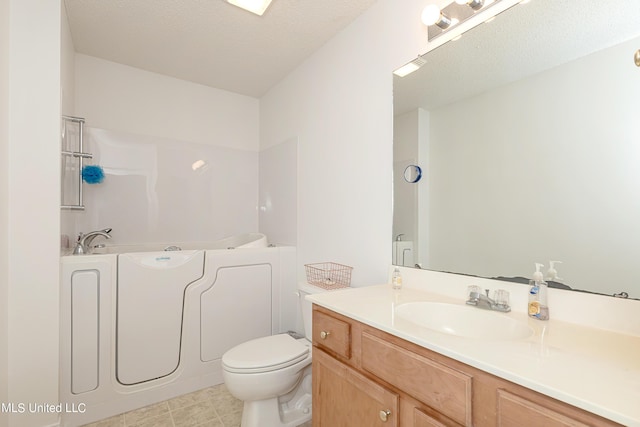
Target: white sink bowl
463 320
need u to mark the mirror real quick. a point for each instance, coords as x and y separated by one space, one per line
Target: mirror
528 131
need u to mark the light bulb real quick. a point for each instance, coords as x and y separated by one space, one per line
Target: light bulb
462 1
431 14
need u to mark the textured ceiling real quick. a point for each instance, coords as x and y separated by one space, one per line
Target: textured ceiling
209 42
520 42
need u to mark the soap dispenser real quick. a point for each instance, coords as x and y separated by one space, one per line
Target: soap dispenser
396 279
538 308
552 273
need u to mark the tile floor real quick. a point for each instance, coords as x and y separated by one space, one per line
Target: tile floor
209 407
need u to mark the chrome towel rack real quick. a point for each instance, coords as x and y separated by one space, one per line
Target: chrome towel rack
72 159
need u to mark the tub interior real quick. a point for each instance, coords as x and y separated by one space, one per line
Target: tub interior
240 241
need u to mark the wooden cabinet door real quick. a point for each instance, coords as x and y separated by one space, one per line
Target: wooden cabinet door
344 398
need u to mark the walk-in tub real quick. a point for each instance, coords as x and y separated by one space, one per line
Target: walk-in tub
140 324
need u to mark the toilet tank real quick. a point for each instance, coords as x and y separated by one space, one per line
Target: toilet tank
305 289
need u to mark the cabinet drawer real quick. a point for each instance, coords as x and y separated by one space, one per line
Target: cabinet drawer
516 411
332 334
421 419
440 387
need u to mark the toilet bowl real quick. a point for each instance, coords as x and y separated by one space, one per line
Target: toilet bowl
272 375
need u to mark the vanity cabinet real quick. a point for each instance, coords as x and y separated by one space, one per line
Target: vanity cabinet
366 377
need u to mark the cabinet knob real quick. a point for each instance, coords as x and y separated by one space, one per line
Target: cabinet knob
384 415
324 334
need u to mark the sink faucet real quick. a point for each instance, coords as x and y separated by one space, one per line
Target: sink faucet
477 299
83 244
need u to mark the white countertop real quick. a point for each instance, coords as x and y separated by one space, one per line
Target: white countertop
594 369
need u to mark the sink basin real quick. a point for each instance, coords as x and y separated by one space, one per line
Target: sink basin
463 321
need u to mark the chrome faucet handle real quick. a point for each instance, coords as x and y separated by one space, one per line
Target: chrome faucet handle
474 292
83 244
79 248
501 298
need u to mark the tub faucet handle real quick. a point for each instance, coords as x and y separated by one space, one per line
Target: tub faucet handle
83 244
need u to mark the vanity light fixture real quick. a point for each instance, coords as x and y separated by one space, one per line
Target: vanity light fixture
432 15
440 21
458 17
636 57
473 4
255 6
410 67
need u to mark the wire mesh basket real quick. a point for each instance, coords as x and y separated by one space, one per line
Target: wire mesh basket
329 275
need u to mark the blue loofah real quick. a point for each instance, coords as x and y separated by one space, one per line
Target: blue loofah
92 174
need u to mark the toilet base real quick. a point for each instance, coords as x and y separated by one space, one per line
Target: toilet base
290 410
267 413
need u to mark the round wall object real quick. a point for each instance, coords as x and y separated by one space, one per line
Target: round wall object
412 174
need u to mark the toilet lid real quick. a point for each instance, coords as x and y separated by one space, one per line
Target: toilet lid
265 354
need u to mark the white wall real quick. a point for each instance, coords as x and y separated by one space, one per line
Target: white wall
278 193
117 97
151 192
544 169
68 219
33 200
161 114
338 104
67 67
4 198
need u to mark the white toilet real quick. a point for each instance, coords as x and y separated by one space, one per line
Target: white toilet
272 375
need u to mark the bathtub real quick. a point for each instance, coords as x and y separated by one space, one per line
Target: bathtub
140 325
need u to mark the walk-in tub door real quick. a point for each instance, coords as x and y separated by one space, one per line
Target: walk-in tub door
150 306
235 309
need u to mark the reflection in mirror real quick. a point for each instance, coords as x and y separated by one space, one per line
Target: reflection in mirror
527 128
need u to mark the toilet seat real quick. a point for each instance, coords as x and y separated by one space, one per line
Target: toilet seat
265 354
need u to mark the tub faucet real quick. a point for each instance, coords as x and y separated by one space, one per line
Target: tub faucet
477 299
83 244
